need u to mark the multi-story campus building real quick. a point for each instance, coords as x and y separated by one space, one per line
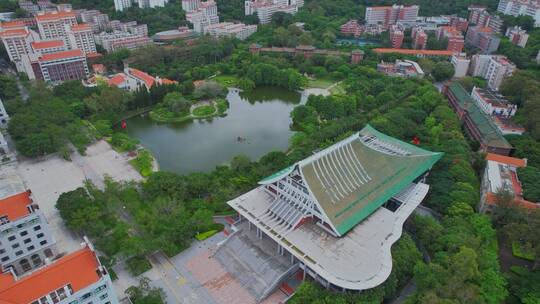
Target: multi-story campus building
478 15
120 5
396 36
266 8
229 29
517 36
419 38
493 68
521 7
500 174
203 16
54 25
461 64
483 38
388 15
17 42
81 37
351 27
334 215
78 277
190 5
60 66
499 110
25 239
455 39
118 40
478 125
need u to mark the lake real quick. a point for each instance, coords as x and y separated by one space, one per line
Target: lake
259 118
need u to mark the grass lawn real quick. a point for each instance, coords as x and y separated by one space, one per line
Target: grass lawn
203 236
205 110
321 83
226 80
337 90
522 252
143 163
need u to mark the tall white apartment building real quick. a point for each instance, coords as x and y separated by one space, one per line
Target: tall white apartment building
493 68
517 36
461 64
521 7
203 16
190 5
17 42
266 8
388 15
81 37
77 277
229 29
25 239
152 3
52 25
120 5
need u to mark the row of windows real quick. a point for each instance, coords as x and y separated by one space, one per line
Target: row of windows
20 252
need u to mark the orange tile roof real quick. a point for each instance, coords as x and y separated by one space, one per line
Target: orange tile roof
168 81
81 27
148 80
61 55
12 24
51 16
491 199
516 162
15 206
98 67
414 52
77 269
117 79
14 33
93 55
47 44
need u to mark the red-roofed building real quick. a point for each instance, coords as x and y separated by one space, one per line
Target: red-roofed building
137 78
98 68
78 277
396 36
61 66
54 25
455 38
48 46
25 239
119 80
11 25
500 174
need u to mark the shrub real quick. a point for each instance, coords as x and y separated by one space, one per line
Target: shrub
138 265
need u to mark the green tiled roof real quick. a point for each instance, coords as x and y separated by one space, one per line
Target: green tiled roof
487 128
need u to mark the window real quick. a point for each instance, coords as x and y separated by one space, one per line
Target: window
36 228
23 233
18 253
25 265
43 243
26 241
103 296
11 238
2 251
16 245
4 259
36 260
40 235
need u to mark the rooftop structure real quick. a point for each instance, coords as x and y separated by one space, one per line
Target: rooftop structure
48 46
152 3
388 15
401 68
337 213
517 36
78 277
132 79
266 8
521 7
500 174
229 29
479 126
